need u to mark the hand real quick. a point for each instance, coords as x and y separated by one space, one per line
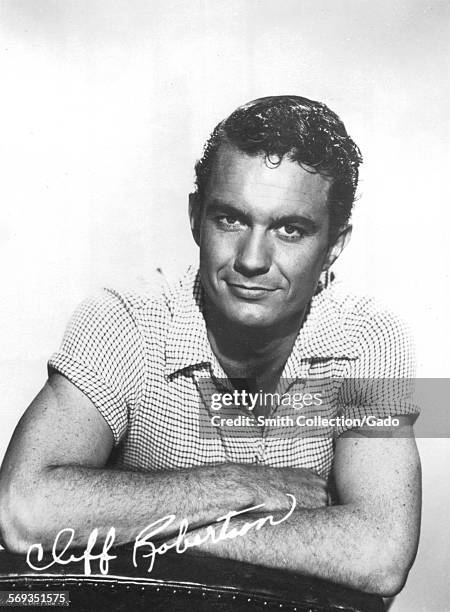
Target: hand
270 486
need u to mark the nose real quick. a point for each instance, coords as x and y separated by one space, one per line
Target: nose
254 255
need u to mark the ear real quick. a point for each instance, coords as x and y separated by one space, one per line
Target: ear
338 246
194 216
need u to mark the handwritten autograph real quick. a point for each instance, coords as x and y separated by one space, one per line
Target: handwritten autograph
144 545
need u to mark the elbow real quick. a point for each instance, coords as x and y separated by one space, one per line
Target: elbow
398 558
10 536
17 523
389 583
389 573
389 558
384 582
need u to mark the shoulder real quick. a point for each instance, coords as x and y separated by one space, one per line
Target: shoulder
157 293
116 327
376 334
358 313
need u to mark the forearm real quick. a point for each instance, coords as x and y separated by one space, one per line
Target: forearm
343 544
84 498
368 542
53 477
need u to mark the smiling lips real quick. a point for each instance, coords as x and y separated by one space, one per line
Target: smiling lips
250 292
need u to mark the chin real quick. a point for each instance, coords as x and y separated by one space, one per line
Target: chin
250 316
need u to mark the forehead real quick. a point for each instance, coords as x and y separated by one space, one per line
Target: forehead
247 181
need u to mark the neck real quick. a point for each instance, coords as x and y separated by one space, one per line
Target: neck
248 351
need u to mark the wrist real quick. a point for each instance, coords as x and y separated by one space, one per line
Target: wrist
241 484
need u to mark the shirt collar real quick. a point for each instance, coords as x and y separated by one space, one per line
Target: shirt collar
322 336
187 342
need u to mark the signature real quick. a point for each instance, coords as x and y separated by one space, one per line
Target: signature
144 547
63 541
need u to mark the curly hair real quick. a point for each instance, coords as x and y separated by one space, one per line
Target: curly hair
305 131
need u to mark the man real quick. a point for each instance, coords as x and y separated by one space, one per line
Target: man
114 436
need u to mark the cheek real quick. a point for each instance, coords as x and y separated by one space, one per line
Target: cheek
216 248
302 266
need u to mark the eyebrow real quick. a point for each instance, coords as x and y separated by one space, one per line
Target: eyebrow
220 206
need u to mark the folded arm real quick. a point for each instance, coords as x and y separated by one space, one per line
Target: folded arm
54 477
367 542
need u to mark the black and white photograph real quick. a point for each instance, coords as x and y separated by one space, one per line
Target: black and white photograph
225 296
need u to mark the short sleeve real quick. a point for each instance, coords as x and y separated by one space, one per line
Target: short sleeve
102 354
379 383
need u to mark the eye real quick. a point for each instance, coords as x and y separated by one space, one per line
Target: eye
228 222
291 232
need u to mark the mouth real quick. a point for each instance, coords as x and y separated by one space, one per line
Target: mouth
250 292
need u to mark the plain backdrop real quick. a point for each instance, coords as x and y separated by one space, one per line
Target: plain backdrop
104 107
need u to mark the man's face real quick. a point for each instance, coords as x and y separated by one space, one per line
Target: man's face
263 236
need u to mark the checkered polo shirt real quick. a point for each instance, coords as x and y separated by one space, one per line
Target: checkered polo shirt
141 358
